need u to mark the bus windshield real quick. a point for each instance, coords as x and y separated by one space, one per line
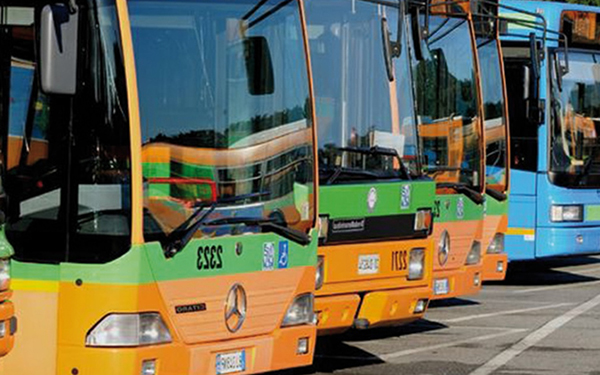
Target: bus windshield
225 114
575 148
494 113
447 103
358 106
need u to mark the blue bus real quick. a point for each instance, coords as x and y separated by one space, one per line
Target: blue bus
554 113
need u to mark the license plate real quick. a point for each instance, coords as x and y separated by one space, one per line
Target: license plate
228 363
441 286
368 264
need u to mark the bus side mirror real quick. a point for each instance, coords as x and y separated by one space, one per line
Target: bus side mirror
534 106
259 66
388 53
526 82
418 35
58 49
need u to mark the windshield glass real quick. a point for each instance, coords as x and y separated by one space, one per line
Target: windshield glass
68 189
225 112
447 103
493 113
575 147
357 105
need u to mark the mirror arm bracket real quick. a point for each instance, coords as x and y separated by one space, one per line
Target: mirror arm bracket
72 4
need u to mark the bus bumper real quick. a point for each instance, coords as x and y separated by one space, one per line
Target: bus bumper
459 282
494 267
567 241
8 327
262 353
379 308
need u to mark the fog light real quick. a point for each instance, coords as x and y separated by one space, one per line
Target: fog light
420 306
476 280
361 323
149 367
2 329
500 267
302 346
579 239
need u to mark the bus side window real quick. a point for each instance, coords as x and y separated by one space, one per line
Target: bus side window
523 133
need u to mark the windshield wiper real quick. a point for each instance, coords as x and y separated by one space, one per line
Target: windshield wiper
497 195
462 188
183 234
444 168
337 172
266 225
376 150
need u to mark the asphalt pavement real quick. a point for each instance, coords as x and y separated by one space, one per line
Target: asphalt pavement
543 319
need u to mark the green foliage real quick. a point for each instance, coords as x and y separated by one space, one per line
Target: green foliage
585 2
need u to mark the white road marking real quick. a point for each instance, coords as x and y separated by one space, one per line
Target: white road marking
588 270
498 313
535 337
512 301
390 356
555 287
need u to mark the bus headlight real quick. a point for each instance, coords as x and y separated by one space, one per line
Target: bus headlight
497 244
474 256
572 213
444 248
320 276
323 228
416 264
423 220
4 275
300 312
129 330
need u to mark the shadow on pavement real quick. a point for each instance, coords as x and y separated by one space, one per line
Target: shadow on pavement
547 272
452 302
419 326
333 354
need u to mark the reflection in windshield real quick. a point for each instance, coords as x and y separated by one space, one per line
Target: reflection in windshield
493 112
447 103
576 117
225 111
357 105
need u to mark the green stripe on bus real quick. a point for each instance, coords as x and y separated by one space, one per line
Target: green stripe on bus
351 200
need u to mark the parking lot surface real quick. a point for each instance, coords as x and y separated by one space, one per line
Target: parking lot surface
544 319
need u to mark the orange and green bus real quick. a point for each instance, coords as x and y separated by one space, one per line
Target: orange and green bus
448 99
375 249
160 170
8 321
495 117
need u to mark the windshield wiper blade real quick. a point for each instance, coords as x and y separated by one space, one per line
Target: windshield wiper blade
472 194
337 172
445 168
383 151
497 195
266 225
183 234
